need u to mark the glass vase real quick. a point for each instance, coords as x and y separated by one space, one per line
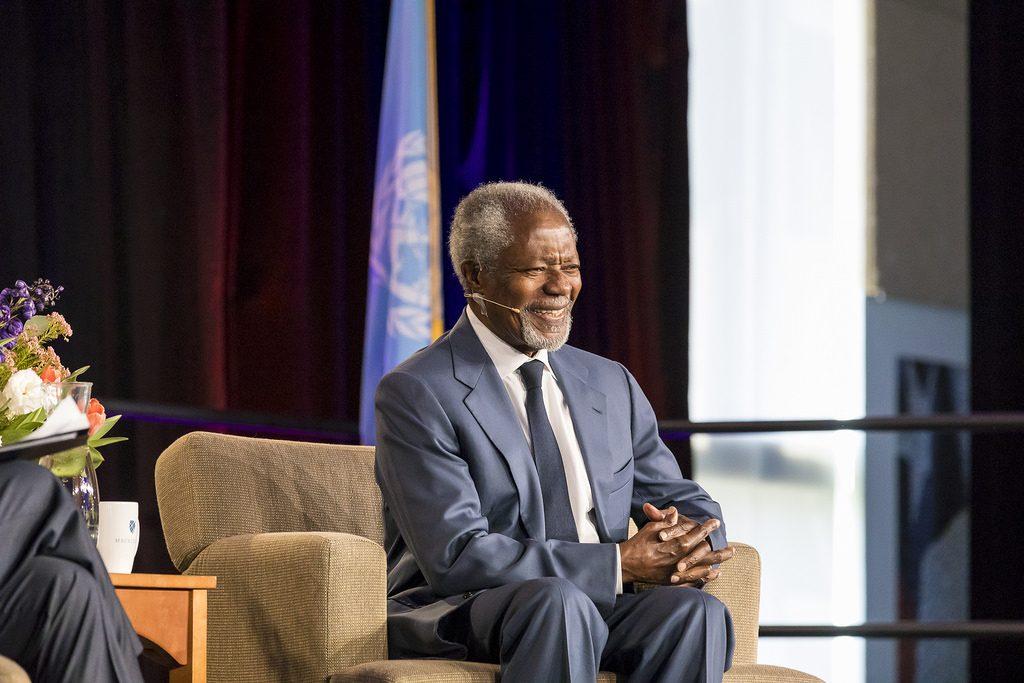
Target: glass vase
85 492
84 486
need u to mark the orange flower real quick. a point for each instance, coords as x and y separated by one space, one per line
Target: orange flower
97 415
49 375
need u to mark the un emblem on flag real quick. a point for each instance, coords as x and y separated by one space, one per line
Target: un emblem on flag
400 246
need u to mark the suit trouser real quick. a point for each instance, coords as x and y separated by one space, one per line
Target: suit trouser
549 630
59 616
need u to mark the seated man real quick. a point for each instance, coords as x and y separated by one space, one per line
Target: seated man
510 465
59 616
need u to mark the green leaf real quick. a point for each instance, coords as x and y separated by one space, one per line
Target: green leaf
74 375
69 463
99 443
21 426
97 457
37 325
107 425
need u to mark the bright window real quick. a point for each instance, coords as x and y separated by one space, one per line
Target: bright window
778 105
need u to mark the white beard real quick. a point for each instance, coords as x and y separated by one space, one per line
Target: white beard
533 338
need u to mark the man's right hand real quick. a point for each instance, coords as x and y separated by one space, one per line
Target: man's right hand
682 559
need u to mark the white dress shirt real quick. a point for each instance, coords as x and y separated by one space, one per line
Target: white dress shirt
507 361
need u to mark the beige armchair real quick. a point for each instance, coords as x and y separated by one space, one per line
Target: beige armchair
293 532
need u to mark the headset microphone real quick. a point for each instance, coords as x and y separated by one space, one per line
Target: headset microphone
480 297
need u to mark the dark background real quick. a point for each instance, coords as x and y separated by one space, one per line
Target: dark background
199 177
997 325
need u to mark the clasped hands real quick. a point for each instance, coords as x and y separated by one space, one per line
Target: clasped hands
672 549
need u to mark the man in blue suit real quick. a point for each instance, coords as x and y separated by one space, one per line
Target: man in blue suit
510 464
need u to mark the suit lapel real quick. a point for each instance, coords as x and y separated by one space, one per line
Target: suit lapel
587 406
489 403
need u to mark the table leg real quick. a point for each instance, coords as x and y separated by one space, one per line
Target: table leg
195 670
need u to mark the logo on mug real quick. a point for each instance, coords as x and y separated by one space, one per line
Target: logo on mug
131 526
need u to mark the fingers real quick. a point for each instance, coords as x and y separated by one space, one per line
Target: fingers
696 577
656 515
685 524
685 544
710 558
653 513
694 558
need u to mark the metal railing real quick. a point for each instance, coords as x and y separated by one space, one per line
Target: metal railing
678 430
974 422
341 431
972 630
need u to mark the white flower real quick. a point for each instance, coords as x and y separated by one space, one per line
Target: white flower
25 392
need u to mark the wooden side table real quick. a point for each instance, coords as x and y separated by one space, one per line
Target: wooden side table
169 614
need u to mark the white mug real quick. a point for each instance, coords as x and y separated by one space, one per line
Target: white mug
119 535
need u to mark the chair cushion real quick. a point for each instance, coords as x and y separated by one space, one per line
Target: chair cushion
452 671
428 671
767 673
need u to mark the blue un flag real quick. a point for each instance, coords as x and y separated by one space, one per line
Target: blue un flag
403 309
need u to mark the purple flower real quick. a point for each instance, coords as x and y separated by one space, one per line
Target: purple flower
14 327
26 301
43 295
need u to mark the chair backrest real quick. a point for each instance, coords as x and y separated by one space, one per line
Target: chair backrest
212 486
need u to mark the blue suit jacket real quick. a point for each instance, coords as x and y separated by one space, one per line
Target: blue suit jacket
462 500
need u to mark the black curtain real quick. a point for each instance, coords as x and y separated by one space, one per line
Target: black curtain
997 325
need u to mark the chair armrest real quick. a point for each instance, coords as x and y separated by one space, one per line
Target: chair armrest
293 606
739 587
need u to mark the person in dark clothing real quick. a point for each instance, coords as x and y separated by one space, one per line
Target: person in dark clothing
59 616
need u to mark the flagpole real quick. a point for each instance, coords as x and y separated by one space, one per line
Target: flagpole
433 175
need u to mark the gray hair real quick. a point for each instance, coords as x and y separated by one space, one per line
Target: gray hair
482 225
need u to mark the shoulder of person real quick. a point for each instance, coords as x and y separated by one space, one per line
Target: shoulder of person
429 364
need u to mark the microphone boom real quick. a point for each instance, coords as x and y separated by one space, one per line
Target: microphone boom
481 297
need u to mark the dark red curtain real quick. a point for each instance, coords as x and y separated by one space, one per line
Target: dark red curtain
199 177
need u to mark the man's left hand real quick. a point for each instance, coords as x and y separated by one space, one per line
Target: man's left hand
698 566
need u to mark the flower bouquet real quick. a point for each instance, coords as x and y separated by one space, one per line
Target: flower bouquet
37 393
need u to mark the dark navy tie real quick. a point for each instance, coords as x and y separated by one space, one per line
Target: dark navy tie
558 519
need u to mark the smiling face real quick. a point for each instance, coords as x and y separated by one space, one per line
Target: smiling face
539 273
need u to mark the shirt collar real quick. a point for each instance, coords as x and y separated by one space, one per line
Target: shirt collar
505 358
